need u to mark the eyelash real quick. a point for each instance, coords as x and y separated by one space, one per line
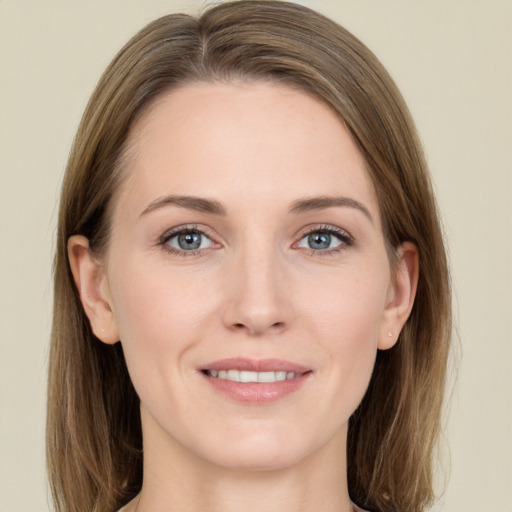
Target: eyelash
169 235
345 239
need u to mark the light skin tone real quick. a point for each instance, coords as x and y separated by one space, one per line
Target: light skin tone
247 226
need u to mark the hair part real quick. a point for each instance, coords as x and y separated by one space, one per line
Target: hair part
94 439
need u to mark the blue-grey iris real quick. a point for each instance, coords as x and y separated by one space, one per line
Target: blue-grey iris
319 240
189 241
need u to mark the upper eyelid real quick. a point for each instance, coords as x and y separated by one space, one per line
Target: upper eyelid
325 228
170 233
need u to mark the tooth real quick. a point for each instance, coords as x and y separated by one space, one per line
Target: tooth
248 376
266 376
233 375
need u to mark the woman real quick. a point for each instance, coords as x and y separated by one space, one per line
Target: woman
252 304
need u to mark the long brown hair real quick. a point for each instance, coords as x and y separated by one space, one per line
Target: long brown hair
94 441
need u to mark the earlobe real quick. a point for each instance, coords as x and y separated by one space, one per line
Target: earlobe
402 294
92 285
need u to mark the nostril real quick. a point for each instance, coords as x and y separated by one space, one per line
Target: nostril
254 329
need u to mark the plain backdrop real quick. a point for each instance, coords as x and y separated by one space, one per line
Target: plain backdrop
453 62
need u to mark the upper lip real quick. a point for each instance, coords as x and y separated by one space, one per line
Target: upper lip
256 365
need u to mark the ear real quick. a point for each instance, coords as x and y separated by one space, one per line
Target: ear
91 282
401 295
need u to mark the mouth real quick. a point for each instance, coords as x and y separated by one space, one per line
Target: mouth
250 376
255 381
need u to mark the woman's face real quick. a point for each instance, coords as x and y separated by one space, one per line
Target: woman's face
247 245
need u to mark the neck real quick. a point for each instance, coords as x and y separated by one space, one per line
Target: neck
176 479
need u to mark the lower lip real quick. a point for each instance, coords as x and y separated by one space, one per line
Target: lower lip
257 392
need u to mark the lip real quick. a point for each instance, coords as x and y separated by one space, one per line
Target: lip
256 392
256 365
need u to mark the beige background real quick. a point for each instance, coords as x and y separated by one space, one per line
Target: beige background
453 62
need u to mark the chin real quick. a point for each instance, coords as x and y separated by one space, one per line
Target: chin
265 451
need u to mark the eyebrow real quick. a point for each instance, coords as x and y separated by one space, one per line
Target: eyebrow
323 202
197 204
213 207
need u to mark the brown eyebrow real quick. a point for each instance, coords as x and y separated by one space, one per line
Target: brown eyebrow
322 202
212 207
197 204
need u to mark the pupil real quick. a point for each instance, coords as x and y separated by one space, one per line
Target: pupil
188 241
319 240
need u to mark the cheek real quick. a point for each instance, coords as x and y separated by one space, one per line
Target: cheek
346 320
349 305
158 315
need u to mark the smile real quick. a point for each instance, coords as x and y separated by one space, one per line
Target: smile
255 381
250 376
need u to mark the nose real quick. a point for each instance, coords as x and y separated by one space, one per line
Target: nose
258 300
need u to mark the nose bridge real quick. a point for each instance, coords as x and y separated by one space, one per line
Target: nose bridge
257 302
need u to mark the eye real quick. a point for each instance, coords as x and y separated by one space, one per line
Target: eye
187 240
325 239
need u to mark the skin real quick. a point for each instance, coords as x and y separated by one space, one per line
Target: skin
256 289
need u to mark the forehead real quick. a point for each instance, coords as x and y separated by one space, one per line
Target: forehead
255 142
